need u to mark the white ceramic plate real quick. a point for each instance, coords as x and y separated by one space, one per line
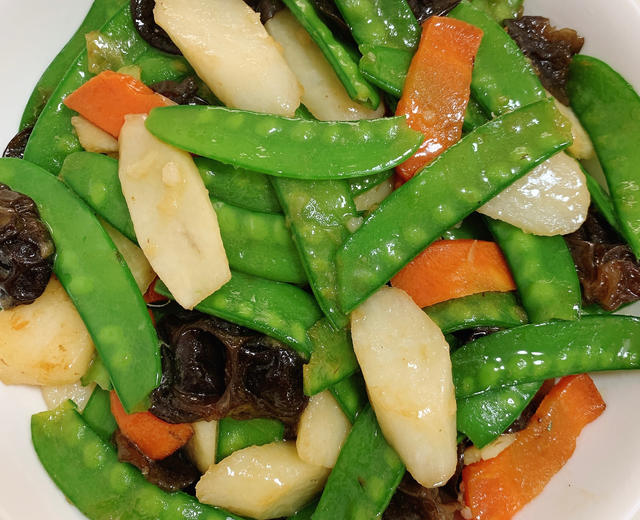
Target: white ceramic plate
600 482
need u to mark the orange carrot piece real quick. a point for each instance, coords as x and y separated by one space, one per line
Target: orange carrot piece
108 97
454 268
495 489
436 91
151 296
154 437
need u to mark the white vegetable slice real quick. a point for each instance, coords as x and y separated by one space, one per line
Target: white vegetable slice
230 50
172 215
406 366
323 93
44 343
582 147
55 395
369 200
491 450
552 199
262 482
202 444
322 430
92 138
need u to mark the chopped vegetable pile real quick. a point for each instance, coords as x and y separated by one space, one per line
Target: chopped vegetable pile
318 260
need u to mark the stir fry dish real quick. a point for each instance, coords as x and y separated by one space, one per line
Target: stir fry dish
318 260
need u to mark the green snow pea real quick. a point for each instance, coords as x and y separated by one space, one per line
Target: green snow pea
500 10
386 67
97 413
305 513
332 357
471 227
336 52
295 148
474 116
466 175
98 15
98 281
97 373
237 186
362 184
98 484
602 201
365 476
609 110
543 270
234 435
503 78
351 394
485 416
278 309
53 137
320 215
489 309
540 351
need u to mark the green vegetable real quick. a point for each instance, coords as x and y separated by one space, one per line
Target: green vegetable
237 186
500 10
362 184
472 227
351 395
97 373
342 61
277 309
97 280
385 67
465 176
540 351
320 214
97 414
602 201
365 476
489 309
306 512
474 116
332 357
543 270
295 148
96 483
503 78
609 110
53 137
235 435
98 15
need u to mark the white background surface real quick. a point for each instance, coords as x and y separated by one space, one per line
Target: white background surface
600 482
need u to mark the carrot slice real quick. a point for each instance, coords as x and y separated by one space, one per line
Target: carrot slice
436 91
454 268
495 489
154 437
108 97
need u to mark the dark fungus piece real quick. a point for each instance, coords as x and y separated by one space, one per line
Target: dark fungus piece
17 145
173 473
549 49
423 9
214 369
149 30
183 92
26 250
609 272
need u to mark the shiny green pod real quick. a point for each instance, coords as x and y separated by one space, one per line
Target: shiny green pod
351 394
97 413
234 435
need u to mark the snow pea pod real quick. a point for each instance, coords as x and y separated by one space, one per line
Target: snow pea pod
98 484
280 310
489 309
365 476
474 116
543 270
609 110
602 201
332 358
500 10
243 188
362 184
540 351
503 79
336 52
98 15
97 413
97 280
53 137
464 177
471 227
386 67
351 394
234 435
295 148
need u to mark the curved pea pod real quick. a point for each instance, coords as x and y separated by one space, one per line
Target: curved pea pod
280 310
609 110
602 201
361 184
489 309
474 116
536 352
98 414
543 270
98 15
351 394
466 175
234 435
96 482
472 227
53 137
386 67
97 280
295 148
